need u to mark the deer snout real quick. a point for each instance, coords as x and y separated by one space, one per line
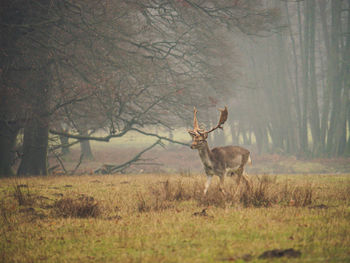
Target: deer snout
193 145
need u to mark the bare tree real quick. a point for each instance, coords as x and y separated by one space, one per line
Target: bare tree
135 62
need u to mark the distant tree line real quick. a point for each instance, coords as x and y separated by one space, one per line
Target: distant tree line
295 97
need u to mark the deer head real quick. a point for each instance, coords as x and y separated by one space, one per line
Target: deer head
199 136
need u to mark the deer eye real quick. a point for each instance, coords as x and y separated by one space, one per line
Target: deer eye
191 133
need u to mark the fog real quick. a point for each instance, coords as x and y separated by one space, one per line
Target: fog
292 93
78 72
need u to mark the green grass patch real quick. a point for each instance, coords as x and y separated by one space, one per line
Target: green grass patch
166 218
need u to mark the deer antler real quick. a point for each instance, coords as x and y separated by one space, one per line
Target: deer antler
222 120
195 130
195 121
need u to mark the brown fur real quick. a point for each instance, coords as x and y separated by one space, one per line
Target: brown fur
224 156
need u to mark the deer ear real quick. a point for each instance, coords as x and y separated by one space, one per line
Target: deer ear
205 135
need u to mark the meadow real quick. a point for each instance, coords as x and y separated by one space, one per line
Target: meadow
166 218
296 211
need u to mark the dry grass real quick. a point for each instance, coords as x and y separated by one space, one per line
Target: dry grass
23 197
162 218
264 192
81 207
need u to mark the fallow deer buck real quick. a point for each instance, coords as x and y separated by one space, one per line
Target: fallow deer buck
220 161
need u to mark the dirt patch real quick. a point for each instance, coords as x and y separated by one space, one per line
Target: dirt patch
22 185
321 206
202 213
278 253
116 217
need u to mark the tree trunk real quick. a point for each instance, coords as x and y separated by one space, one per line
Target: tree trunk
347 84
332 140
261 139
287 119
85 148
327 86
234 136
35 144
64 144
296 93
245 137
36 128
8 135
304 55
347 150
341 130
314 110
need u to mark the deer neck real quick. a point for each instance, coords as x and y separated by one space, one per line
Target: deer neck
205 155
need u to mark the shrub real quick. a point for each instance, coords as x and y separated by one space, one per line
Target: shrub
263 192
82 207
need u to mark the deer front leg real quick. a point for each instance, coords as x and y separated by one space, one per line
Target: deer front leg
209 177
238 179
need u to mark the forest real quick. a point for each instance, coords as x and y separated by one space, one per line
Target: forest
105 105
76 71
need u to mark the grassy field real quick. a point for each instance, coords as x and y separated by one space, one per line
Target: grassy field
165 218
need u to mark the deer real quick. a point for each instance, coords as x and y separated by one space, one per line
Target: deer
220 161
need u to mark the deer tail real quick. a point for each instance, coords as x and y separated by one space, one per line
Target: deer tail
249 160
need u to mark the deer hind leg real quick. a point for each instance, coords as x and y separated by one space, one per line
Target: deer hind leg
241 173
209 177
247 181
222 183
238 180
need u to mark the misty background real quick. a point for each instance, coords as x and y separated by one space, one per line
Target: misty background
76 72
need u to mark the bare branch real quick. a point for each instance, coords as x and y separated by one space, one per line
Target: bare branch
107 169
92 138
78 164
159 137
107 138
58 158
